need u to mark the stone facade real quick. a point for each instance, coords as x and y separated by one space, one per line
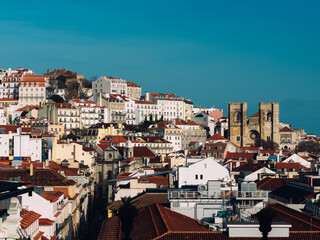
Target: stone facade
264 124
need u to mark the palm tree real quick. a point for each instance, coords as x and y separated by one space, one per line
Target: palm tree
265 220
127 213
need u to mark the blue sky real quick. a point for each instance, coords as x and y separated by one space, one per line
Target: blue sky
210 51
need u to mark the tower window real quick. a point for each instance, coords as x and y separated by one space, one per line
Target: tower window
269 116
238 117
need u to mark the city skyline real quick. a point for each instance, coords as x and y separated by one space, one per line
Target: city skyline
212 53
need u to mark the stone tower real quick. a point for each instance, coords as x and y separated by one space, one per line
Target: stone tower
269 121
237 125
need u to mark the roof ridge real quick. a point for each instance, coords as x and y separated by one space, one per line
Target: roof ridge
153 220
295 216
163 218
265 182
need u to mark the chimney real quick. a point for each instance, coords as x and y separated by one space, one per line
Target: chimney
31 169
48 70
291 126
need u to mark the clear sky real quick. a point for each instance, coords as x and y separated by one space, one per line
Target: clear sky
209 51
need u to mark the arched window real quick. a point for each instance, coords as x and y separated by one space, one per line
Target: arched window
238 117
269 116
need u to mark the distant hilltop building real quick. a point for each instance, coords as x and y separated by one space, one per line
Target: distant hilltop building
262 125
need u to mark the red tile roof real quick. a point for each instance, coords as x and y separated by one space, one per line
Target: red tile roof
270 184
251 167
286 129
63 105
38 236
158 180
132 84
151 222
28 218
41 177
9 128
45 222
217 136
299 221
236 155
51 196
291 165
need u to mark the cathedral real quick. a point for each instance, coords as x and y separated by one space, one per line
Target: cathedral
264 124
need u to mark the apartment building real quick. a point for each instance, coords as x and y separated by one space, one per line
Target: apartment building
61 113
109 85
169 132
146 110
90 113
191 132
133 91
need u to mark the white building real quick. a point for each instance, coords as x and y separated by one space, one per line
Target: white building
170 106
3 117
109 85
201 172
146 111
204 119
26 146
14 143
297 159
90 113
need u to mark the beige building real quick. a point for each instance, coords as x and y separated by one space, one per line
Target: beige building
115 105
288 139
32 89
133 91
100 130
70 152
190 132
169 132
262 125
61 113
56 129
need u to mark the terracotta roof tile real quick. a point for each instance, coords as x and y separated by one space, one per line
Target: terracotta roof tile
45 222
28 217
217 136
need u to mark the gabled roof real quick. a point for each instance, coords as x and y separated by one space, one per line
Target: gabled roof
255 115
41 177
132 84
152 222
270 184
28 218
299 221
158 180
286 129
217 136
249 167
139 152
296 158
291 165
51 196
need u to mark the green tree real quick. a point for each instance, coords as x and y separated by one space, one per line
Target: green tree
56 98
266 145
127 213
265 220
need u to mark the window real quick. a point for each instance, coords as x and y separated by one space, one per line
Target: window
201 176
196 176
238 138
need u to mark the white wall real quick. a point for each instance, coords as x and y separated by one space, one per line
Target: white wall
201 172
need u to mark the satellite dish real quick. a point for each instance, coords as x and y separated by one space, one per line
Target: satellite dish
202 189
